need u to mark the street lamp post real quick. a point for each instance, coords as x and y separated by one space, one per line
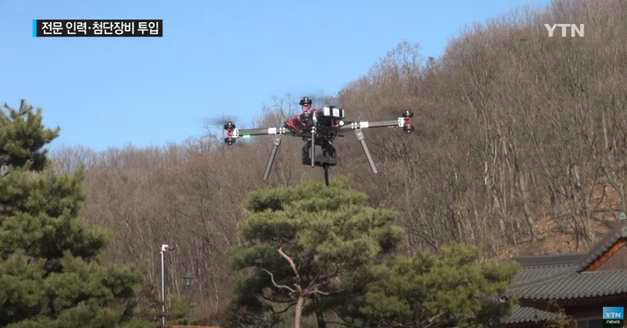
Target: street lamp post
164 248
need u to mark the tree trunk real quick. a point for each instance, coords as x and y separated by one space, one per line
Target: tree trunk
319 316
298 310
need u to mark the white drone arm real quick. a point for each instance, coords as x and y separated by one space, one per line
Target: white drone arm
404 122
231 133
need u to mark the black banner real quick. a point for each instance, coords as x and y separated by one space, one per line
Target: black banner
98 28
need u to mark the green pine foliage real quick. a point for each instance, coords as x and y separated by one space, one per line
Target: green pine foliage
330 234
50 274
349 253
450 289
23 137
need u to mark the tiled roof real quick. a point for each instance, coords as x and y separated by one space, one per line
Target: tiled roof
537 270
561 277
604 245
522 314
570 285
562 259
533 273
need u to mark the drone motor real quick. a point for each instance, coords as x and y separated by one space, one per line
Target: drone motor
230 133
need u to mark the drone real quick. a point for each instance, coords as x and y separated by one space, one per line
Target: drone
318 128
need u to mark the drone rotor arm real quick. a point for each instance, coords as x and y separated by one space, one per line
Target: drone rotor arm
262 132
405 122
231 133
366 124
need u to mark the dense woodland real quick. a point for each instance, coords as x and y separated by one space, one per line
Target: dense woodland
520 148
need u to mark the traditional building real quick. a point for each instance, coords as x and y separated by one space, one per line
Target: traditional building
578 284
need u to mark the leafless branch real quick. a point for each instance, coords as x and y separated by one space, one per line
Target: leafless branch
275 283
292 264
318 291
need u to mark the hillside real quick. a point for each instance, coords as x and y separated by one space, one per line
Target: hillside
520 149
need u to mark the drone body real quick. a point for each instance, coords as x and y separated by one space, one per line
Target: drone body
318 129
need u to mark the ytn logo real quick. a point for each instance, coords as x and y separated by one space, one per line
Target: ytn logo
613 312
574 29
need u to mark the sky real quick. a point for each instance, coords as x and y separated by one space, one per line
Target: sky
215 58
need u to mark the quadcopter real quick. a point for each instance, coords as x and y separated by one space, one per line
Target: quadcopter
318 128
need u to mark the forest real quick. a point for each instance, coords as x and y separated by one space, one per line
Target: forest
520 148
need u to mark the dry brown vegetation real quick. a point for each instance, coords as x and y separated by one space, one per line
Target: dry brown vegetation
521 139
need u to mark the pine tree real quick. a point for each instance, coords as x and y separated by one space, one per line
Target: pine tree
306 245
321 250
450 289
50 273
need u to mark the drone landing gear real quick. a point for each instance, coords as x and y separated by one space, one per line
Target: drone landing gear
362 141
275 149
